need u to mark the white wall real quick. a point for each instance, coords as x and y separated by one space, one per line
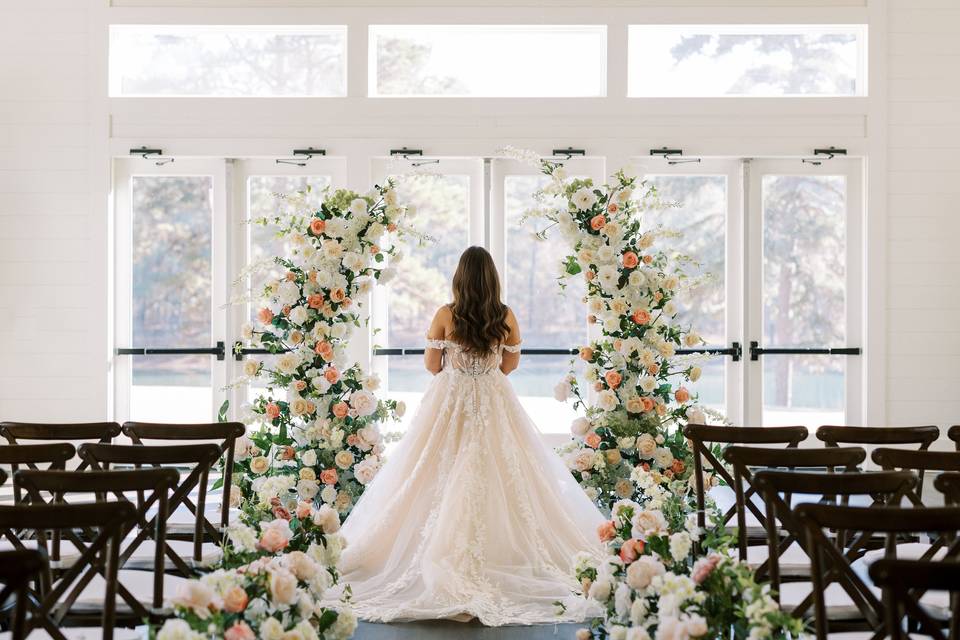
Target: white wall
52 267
923 290
54 270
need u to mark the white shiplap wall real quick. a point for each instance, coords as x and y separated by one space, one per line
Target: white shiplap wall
923 289
52 276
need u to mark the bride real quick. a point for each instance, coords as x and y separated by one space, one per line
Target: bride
472 516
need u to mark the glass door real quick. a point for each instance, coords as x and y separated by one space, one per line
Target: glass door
804 321
171 283
707 224
553 321
447 194
256 183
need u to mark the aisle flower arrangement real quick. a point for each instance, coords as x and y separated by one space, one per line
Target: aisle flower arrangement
270 598
651 586
316 435
634 388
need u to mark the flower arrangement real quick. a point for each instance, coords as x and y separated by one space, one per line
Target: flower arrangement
651 586
316 435
634 384
271 598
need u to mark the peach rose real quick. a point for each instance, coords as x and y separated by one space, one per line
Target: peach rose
631 550
235 599
586 353
283 587
634 404
325 350
630 260
317 226
327 519
703 567
296 337
315 301
648 404
299 385
353 440
301 565
304 509
341 409
647 259
391 227
682 395
678 466
613 379
331 375
239 631
374 249
613 207
265 315
346 303
654 368
589 275
598 222
328 476
592 440
273 540
613 456
272 411
607 531
289 453
337 295
646 445
194 595
641 316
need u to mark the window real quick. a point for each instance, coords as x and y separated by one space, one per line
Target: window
754 60
487 61
228 61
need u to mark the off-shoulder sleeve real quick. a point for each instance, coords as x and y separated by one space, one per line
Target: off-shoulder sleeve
436 344
512 348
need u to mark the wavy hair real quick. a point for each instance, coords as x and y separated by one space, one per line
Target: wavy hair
479 317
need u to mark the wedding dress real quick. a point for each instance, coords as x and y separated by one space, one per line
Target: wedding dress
472 515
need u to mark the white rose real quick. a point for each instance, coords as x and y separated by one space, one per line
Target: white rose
600 590
309 458
583 460
663 457
365 470
605 253
320 384
584 198
308 489
358 206
647 383
363 402
680 544
329 494
561 392
609 276
176 629
327 519
250 367
371 382
298 315
353 261
607 400
259 465
642 571
695 415
580 427
649 522
401 408
271 629
287 363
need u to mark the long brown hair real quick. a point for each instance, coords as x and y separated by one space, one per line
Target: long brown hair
479 317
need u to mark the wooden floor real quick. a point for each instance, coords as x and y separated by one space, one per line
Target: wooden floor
443 630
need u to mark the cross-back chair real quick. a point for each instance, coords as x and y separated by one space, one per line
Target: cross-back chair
832 560
24 432
746 460
142 592
47 606
834 436
919 462
702 436
901 580
949 485
54 455
784 528
18 569
954 434
198 458
225 434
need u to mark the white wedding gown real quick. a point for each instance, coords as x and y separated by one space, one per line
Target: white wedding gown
472 515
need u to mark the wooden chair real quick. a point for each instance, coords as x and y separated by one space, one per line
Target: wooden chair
834 436
777 488
702 436
833 562
30 456
133 587
919 462
17 570
18 432
745 461
224 433
901 580
48 605
954 434
949 485
196 457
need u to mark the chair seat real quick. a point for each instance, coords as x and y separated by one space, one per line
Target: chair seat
139 583
143 556
68 551
936 602
839 605
793 561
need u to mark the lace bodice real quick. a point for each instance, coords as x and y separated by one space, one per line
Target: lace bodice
475 365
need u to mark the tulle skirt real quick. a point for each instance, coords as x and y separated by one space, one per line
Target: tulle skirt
471 516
